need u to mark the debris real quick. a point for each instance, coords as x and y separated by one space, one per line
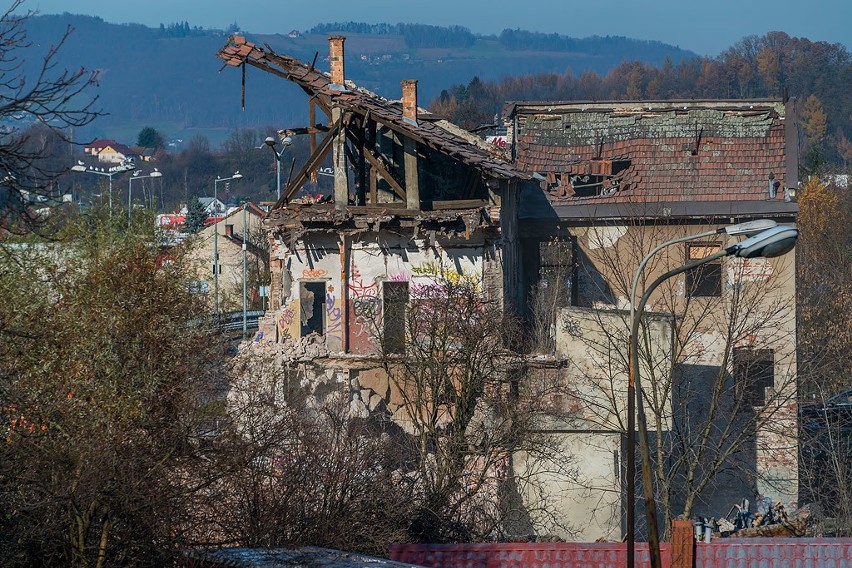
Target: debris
768 520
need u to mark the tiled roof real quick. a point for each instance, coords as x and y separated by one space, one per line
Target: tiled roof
365 103
101 143
714 151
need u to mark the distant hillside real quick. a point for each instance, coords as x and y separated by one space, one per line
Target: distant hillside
168 77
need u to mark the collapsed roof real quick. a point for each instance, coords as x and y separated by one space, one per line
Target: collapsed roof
667 151
362 108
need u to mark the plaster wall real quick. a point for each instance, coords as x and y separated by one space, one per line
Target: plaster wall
586 505
757 294
353 273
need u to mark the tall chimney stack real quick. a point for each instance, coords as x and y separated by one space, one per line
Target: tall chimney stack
409 100
335 52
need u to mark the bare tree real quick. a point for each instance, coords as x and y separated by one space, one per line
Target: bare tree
468 405
825 306
306 470
50 97
716 361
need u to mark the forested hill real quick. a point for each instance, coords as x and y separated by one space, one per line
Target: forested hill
168 76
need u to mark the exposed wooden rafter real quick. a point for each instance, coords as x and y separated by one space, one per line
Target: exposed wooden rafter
378 162
310 165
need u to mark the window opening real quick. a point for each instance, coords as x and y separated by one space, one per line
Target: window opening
705 280
312 301
556 271
395 297
754 371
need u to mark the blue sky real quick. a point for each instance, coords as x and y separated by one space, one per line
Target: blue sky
706 27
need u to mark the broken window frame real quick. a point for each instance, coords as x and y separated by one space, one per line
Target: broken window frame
305 328
703 281
560 268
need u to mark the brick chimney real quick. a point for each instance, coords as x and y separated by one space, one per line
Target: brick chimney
335 52
409 100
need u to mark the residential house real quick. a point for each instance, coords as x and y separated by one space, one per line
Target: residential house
424 194
214 207
616 180
110 151
243 223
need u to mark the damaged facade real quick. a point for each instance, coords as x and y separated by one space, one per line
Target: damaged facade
413 195
580 195
617 179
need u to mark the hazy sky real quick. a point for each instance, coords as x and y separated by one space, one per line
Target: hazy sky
704 26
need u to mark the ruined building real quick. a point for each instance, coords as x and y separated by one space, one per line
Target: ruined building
565 213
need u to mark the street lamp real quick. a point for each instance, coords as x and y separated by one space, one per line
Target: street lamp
271 142
747 228
237 175
125 166
155 174
245 262
769 243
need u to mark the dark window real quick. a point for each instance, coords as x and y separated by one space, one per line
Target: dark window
705 280
394 304
556 271
754 371
312 302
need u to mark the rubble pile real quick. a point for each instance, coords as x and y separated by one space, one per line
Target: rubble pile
768 520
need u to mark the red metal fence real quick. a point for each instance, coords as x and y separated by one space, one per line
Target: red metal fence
524 555
721 553
775 553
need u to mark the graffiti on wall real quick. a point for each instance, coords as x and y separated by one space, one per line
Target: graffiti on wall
333 315
284 320
366 305
314 273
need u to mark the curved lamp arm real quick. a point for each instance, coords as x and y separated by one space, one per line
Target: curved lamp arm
647 485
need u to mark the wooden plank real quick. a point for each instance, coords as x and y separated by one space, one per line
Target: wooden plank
459 204
309 166
378 163
382 171
312 130
312 117
371 144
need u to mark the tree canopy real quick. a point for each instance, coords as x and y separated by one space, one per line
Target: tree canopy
150 138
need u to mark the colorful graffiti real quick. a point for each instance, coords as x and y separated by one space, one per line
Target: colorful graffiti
285 318
314 273
333 315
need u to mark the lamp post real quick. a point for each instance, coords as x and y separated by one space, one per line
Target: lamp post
747 228
125 166
271 142
245 262
237 175
155 174
768 243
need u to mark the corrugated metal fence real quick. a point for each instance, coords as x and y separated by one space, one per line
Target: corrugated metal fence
524 555
721 553
775 553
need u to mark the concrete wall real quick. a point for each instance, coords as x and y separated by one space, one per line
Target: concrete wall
584 504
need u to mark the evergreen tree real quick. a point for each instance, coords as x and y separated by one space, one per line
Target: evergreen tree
150 138
196 215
